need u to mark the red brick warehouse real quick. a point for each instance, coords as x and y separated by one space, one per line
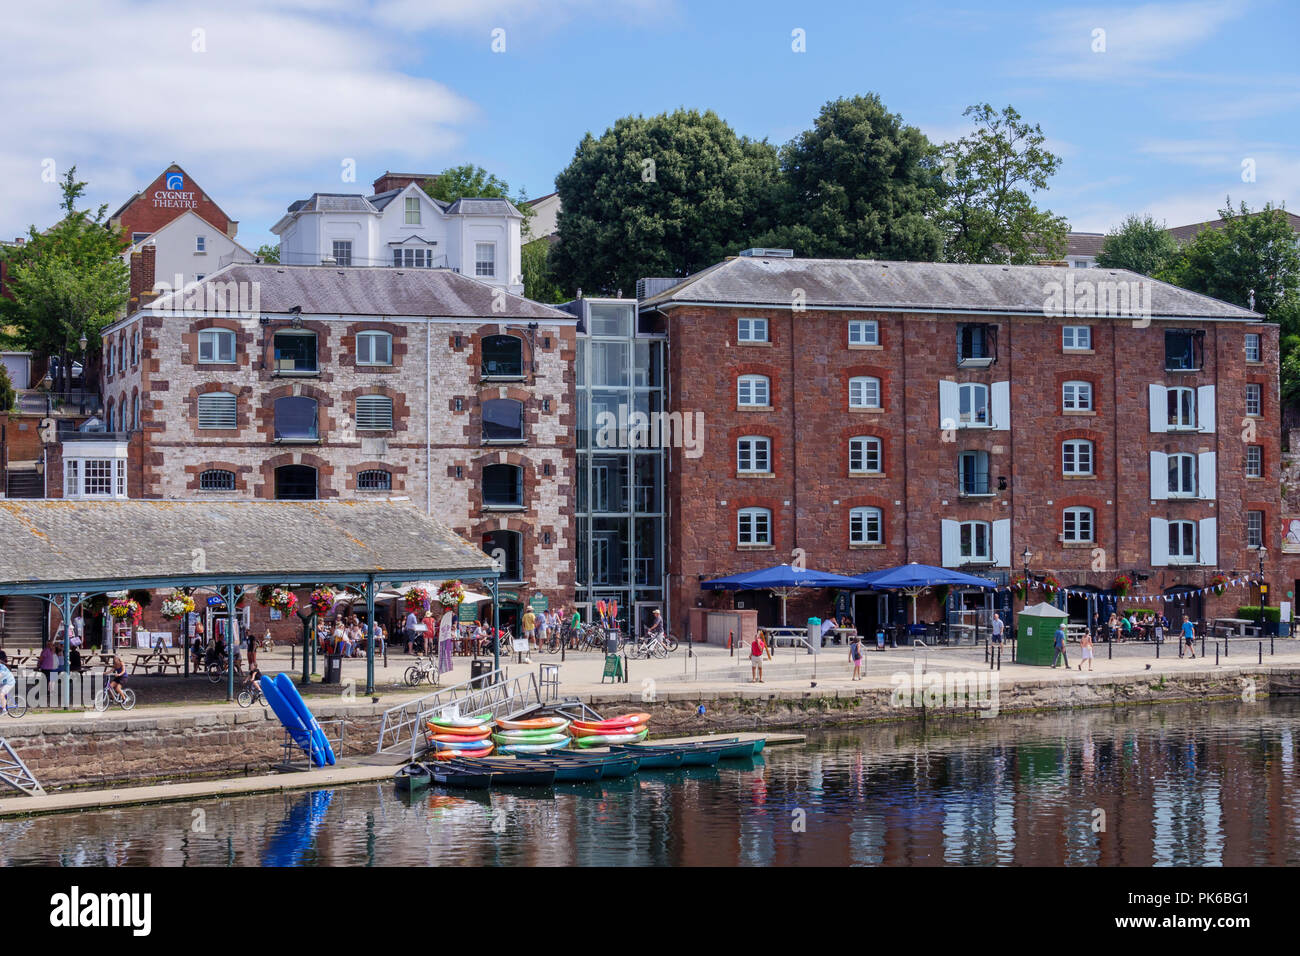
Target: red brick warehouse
869 414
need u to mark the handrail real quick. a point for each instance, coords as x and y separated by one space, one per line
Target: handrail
494 690
404 716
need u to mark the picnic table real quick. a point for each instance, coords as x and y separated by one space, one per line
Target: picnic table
773 636
1228 625
160 661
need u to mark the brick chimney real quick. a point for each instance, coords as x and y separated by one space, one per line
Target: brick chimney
142 275
399 180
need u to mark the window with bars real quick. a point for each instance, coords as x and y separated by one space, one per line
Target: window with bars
217 479
374 413
864 455
218 410
374 479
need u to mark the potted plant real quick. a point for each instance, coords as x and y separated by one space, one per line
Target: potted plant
1050 584
1020 587
177 605
1219 583
125 608
451 594
278 598
417 600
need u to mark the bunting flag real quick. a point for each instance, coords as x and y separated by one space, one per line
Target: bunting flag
1136 598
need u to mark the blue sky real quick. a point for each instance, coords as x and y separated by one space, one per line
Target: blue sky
263 102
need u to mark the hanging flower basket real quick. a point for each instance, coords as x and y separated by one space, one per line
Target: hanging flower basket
177 605
1219 583
417 599
1020 587
322 600
451 594
280 599
125 609
1122 585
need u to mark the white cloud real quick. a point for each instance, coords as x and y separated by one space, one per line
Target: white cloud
463 14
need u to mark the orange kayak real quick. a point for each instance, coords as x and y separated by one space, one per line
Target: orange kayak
536 723
629 729
613 724
453 754
446 733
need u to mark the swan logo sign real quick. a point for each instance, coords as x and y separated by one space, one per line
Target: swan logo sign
175 182
76 909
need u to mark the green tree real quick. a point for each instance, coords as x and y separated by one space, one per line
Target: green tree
859 184
473 182
539 284
665 195
66 282
8 396
991 175
268 253
1141 245
1253 252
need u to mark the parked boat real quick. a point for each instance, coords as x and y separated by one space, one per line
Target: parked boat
461 778
534 739
452 724
450 753
691 756
531 747
613 724
413 776
441 742
566 771
651 759
612 765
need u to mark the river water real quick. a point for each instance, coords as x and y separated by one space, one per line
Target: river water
1178 785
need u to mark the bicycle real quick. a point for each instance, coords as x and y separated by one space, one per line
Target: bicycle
15 705
107 696
250 694
217 671
426 668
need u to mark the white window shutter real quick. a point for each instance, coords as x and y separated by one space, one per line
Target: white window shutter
1001 400
1002 542
1159 408
948 404
1205 462
1159 476
1205 409
951 538
1207 543
1159 543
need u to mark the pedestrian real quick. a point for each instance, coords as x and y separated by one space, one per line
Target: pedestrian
412 635
1059 644
756 650
47 663
430 631
1189 638
855 655
529 625
998 627
1085 650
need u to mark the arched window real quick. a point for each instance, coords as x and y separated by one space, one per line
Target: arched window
753 391
503 420
1182 476
374 413
218 410
374 348
1076 457
503 356
135 411
864 392
864 455
506 548
295 419
295 483
503 486
375 479
754 526
1077 525
866 526
754 454
217 479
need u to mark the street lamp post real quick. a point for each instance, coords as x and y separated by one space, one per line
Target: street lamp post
1263 588
83 343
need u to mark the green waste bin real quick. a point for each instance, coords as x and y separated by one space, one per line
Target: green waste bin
1036 634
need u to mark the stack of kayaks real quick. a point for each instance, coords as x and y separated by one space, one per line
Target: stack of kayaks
538 735
627 729
461 736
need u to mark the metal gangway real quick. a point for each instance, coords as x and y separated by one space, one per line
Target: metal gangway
15 773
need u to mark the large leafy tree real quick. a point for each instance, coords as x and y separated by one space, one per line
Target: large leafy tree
67 281
1141 245
991 175
859 184
664 195
468 181
268 253
539 283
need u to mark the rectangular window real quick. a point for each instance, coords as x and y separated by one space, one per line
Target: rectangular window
753 390
865 526
413 258
485 259
973 404
864 393
412 210
864 332
374 348
1183 350
975 545
1254 529
95 478
217 410
295 352
751 330
200 244
1077 396
754 455
1254 400
976 344
216 346
864 455
1252 347
1254 461
342 252
1182 542
1076 458
1076 338
374 413
973 473
1077 526
754 526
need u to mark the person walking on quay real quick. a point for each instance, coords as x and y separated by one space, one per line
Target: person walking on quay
7 682
47 663
998 627
411 633
855 655
430 632
1085 650
1059 644
756 650
529 625
1189 638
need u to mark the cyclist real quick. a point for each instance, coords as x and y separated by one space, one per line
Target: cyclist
117 675
656 627
7 682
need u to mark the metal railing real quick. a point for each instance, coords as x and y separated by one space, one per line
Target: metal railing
495 691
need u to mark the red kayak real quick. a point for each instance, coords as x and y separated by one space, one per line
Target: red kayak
613 724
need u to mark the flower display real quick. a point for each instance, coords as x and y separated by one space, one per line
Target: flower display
322 600
1122 585
1020 586
1050 583
417 599
124 608
178 604
451 594
279 598
1219 583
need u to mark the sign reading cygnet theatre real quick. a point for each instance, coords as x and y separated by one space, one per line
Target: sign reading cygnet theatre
171 194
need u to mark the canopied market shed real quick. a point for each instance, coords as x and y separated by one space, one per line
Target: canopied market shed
66 551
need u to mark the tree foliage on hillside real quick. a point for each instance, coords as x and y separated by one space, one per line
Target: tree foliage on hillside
1140 245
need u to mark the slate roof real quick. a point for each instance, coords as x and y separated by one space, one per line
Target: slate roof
1084 243
484 207
1182 234
276 541
371 290
915 286
332 202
